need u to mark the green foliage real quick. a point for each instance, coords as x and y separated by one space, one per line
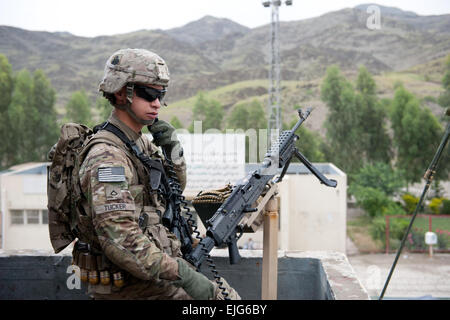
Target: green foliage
342 121
309 144
372 200
397 228
78 109
444 98
445 209
410 203
415 241
176 123
373 186
6 83
209 111
380 176
393 209
435 205
27 117
250 118
373 137
18 114
104 108
247 116
417 134
45 121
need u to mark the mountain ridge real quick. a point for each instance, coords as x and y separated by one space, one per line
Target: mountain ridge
233 53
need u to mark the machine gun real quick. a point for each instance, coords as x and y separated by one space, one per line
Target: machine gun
224 227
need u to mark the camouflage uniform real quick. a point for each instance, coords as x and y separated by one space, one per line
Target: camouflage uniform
115 207
147 255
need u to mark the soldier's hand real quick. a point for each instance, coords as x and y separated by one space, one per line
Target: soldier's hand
164 137
194 283
162 133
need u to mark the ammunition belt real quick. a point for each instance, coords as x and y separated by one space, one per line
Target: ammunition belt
213 196
95 268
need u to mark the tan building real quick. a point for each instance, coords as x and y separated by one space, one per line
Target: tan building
23 204
312 216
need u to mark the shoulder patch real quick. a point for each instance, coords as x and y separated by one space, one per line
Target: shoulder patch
111 174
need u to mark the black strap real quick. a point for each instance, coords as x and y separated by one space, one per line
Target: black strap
155 167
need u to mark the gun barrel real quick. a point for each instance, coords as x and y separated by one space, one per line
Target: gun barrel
303 117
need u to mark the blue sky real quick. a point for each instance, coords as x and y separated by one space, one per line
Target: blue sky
91 18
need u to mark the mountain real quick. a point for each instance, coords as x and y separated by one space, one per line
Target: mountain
207 28
212 53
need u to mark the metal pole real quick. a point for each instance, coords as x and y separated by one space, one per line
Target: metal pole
274 120
429 177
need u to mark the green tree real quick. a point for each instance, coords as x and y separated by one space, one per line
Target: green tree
27 117
176 123
19 113
249 116
342 122
6 89
373 137
309 143
78 109
104 109
444 98
6 83
209 111
417 134
378 175
45 122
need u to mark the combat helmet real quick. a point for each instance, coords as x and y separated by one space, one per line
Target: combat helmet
128 66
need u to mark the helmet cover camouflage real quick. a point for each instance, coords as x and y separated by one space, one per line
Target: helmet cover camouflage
133 66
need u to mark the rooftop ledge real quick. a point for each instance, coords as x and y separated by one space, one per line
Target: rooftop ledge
302 275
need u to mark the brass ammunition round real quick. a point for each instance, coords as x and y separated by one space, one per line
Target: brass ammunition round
105 277
93 277
118 279
84 275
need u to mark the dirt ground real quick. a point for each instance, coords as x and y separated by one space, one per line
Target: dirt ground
416 275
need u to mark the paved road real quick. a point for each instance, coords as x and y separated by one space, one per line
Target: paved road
416 275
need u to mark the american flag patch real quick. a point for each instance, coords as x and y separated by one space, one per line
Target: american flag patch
111 174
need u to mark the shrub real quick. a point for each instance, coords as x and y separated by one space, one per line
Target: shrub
410 203
416 240
435 205
397 228
393 209
443 241
445 209
372 200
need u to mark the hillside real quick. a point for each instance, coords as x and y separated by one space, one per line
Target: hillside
231 61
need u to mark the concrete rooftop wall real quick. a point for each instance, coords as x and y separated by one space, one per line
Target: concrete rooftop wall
301 276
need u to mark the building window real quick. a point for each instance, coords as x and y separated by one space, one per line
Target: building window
45 216
32 216
17 217
29 216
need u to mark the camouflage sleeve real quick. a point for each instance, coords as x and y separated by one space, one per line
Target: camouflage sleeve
106 174
180 169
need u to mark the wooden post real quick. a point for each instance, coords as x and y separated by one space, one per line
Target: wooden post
270 251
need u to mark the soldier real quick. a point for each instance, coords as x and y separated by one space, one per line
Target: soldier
134 260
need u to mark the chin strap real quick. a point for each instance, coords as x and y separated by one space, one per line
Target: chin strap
127 107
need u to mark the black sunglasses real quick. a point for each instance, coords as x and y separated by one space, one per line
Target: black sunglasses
149 94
